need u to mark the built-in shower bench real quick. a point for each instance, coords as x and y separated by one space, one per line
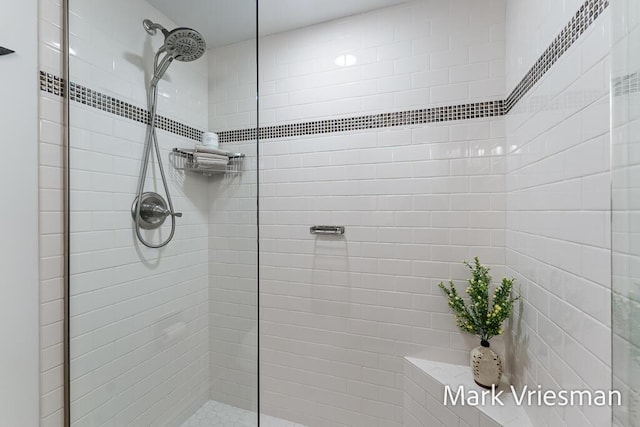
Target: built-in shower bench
424 388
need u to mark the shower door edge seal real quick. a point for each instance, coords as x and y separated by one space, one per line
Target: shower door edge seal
257 142
66 194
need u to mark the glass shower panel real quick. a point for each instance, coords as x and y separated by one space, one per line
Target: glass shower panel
161 335
626 211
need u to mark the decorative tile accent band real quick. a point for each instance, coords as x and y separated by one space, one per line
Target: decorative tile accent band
583 18
56 85
373 121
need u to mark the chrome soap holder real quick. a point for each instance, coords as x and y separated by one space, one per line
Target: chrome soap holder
185 159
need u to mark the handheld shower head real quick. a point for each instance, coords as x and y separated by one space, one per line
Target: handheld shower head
183 44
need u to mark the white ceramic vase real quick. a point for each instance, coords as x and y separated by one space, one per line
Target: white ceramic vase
486 366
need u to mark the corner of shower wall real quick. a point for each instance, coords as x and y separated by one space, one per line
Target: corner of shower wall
233 232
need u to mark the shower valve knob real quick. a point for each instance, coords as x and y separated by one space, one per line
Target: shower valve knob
153 211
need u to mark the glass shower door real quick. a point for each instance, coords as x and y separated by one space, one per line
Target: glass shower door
626 211
162 336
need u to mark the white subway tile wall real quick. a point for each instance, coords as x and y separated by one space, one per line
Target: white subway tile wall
110 52
558 216
233 283
337 316
139 320
421 53
138 316
232 86
233 257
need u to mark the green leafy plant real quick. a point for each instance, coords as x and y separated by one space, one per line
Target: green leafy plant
480 316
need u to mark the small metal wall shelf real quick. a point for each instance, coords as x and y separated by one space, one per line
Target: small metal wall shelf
331 230
5 51
186 159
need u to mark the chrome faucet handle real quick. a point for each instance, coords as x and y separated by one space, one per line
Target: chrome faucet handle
159 210
166 212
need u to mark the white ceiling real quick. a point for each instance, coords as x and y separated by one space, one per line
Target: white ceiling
223 22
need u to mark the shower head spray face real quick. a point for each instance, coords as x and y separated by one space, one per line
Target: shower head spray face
185 44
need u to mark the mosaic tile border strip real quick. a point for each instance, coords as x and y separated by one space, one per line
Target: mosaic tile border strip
584 17
373 121
55 85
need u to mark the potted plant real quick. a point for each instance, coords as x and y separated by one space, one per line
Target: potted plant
482 317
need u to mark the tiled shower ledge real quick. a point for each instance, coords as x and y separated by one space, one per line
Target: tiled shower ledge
437 374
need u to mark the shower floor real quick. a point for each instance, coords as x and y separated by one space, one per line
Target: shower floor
216 414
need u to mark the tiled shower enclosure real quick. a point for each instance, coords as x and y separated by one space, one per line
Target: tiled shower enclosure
434 131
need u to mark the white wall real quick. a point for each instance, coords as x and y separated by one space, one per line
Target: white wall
113 54
233 270
18 250
422 53
338 316
233 284
558 216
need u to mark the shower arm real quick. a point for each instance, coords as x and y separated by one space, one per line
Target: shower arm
151 27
